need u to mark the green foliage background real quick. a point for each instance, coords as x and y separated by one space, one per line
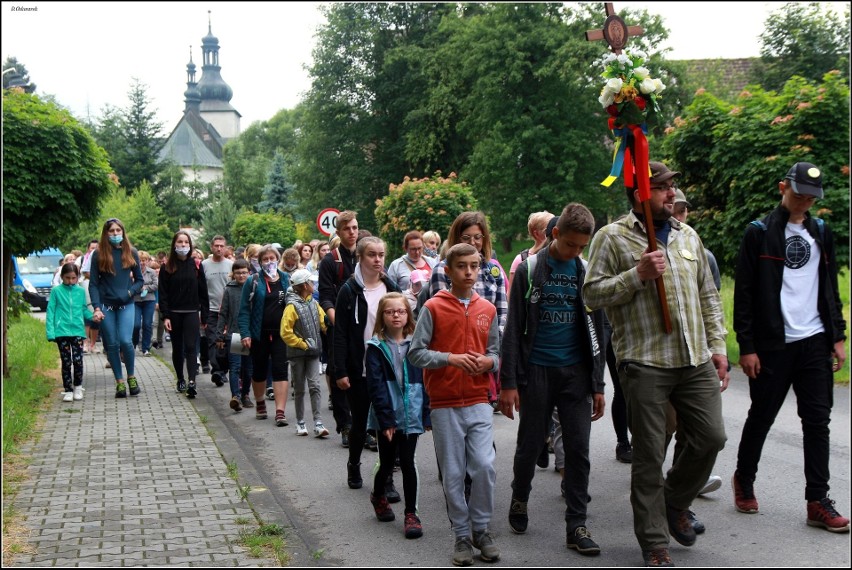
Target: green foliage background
269 227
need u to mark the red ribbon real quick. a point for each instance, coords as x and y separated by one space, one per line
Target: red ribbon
640 161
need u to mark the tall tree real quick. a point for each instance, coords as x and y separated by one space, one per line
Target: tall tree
219 217
20 77
132 138
54 175
278 189
804 39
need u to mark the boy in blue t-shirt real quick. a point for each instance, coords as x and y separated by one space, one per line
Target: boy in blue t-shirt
551 357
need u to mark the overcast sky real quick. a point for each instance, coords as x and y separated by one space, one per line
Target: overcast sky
86 54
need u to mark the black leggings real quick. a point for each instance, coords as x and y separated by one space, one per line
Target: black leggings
185 330
406 445
71 353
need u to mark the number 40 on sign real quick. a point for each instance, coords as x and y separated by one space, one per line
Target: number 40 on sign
327 221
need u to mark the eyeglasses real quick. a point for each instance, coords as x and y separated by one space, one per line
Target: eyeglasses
242 272
467 238
392 312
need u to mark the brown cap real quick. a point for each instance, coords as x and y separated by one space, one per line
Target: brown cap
660 173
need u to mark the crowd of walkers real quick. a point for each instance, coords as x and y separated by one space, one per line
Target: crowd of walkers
441 338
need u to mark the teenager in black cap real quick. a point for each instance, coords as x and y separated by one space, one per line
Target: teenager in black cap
790 328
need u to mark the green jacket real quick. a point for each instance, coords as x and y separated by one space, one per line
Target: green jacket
66 312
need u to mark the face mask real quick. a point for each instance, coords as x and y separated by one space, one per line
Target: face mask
255 264
182 250
116 240
271 268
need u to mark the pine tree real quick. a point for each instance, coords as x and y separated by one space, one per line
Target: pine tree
278 190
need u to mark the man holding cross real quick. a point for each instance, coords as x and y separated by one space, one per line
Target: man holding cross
684 367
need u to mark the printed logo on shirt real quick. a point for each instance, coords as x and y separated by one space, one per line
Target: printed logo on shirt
797 252
483 323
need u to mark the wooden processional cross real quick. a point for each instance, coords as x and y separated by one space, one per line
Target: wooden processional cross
616 33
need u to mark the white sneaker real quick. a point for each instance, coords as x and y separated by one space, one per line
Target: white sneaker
301 429
714 483
146 353
319 430
67 396
78 392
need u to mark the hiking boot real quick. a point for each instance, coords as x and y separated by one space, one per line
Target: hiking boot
181 386
383 511
78 392
301 429
624 452
246 402
744 499
260 410
412 526
822 513
697 525
121 390
484 542
580 539
133 385
518 519
391 493
320 430
714 483
280 420
344 437
235 404
371 443
680 526
353 475
463 552
543 458
67 396
657 557
191 392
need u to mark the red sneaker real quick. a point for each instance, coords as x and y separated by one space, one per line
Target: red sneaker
744 499
412 526
822 513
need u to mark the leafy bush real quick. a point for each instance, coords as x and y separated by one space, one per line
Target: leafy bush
269 227
421 204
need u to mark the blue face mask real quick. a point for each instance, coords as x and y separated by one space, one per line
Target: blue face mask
116 240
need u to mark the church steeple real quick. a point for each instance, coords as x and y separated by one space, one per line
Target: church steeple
192 95
212 86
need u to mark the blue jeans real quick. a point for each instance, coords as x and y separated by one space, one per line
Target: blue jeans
117 330
144 320
239 363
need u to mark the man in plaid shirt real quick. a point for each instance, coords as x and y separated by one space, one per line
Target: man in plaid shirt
687 367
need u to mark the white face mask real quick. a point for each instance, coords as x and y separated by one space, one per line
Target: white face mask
182 250
271 268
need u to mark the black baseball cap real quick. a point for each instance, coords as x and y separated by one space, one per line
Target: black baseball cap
805 178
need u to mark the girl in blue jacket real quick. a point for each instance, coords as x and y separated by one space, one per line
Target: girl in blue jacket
66 326
399 410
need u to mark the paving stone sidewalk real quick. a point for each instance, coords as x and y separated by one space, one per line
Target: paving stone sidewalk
130 482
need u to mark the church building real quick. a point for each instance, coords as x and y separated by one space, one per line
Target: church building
209 120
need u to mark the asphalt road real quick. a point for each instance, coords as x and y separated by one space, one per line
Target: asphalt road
300 482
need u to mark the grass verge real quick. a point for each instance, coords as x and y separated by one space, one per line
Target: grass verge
33 376
267 540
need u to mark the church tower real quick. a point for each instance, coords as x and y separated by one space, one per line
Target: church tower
215 94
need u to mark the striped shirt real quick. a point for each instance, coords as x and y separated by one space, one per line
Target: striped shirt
633 308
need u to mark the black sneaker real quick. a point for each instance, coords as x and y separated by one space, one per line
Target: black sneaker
624 452
205 369
680 527
190 390
353 475
181 386
121 390
696 524
133 384
518 519
580 539
217 379
391 494
543 458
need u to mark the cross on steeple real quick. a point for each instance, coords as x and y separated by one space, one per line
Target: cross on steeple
614 31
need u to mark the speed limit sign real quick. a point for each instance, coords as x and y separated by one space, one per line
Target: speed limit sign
327 221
